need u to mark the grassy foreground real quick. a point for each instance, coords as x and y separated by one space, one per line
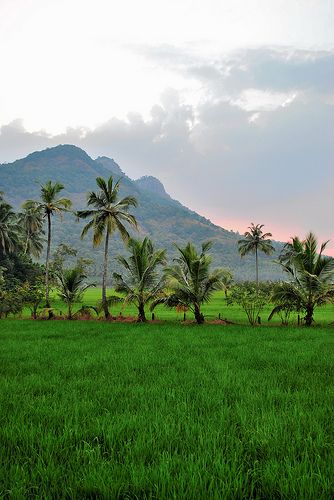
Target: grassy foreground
105 410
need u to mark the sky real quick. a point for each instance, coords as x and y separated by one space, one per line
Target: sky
230 103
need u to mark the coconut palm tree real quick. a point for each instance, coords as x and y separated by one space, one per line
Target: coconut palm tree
227 280
190 280
255 240
311 276
107 217
31 225
71 287
49 204
141 282
8 227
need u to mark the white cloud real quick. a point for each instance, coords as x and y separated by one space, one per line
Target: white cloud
263 100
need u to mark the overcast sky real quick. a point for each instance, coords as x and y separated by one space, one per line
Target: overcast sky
229 103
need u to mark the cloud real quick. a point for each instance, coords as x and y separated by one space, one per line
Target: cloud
280 71
231 161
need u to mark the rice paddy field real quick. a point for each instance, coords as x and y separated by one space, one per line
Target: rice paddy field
216 308
95 409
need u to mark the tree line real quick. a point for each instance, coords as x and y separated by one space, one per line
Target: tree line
146 279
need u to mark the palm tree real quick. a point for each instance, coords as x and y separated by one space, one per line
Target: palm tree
49 204
8 227
227 280
255 240
107 217
190 280
311 274
141 282
31 225
71 287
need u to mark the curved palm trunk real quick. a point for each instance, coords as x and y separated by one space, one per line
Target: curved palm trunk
47 299
198 315
257 267
69 316
141 313
104 278
26 246
309 315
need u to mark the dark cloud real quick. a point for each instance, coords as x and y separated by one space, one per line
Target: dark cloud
282 70
276 69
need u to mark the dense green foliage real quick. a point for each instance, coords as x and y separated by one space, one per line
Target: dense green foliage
311 274
141 282
71 287
100 410
250 298
191 282
8 227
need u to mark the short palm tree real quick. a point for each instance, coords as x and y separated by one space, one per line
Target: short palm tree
107 217
190 281
141 282
253 242
8 227
50 204
227 280
71 287
311 276
31 225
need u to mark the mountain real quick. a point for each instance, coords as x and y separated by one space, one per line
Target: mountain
164 220
152 184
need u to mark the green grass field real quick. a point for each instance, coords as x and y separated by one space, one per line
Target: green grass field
114 410
217 305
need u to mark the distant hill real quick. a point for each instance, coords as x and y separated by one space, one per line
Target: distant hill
164 220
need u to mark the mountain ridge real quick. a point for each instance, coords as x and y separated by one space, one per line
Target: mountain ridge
163 219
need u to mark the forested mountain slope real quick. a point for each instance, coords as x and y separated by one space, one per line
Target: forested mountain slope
164 220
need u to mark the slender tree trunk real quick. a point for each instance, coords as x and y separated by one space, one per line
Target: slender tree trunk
309 315
47 299
257 268
198 315
104 278
26 246
69 316
141 313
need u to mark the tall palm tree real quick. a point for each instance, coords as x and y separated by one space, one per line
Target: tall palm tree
107 217
255 240
141 282
311 274
31 225
50 204
190 280
8 227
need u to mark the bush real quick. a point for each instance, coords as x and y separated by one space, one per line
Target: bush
251 299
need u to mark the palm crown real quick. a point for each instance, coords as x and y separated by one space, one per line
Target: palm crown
190 279
8 227
141 281
107 217
311 274
253 242
108 214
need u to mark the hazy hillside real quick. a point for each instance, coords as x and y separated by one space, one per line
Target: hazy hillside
160 217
